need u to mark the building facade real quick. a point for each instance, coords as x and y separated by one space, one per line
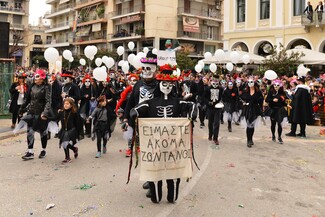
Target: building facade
195 24
256 25
15 12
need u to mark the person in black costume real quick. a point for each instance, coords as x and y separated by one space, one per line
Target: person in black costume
212 97
230 99
69 88
165 107
253 105
37 104
17 94
276 103
302 111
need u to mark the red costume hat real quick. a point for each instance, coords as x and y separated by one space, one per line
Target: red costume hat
66 73
166 73
87 77
40 74
133 76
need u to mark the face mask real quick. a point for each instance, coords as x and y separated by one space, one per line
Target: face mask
214 84
87 83
230 85
132 82
250 83
66 80
148 70
276 87
238 83
166 87
112 76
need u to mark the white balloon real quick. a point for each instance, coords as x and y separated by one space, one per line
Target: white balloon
67 54
88 51
130 58
51 55
141 54
213 67
93 50
105 59
220 55
125 67
201 63
91 57
82 62
229 67
110 62
246 59
207 55
145 50
98 61
270 75
120 50
99 74
177 72
234 57
131 45
155 51
104 68
198 68
58 64
136 62
120 63
71 59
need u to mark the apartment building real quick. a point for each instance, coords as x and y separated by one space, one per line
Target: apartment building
196 24
16 13
256 25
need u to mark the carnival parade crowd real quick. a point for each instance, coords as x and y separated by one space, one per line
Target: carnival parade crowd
84 107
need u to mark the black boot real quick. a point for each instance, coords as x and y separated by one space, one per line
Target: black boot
229 126
172 193
156 191
249 134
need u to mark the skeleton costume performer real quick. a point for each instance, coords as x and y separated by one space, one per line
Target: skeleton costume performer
69 88
88 102
145 89
253 102
239 107
230 99
212 96
165 107
276 101
37 103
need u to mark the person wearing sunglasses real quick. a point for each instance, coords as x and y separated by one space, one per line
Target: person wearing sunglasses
37 104
253 102
276 108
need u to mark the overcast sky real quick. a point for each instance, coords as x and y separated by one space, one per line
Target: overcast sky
37 8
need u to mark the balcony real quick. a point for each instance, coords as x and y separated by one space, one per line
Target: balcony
38 41
83 21
60 10
200 36
316 20
60 42
138 9
92 38
11 10
210 14
86 3
50 1
124 35
17 26
58 27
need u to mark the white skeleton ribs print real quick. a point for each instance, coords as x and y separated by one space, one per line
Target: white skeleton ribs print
165 111
214 95
144 94
186 89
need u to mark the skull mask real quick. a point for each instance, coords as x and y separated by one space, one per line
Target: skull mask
148 70
166 87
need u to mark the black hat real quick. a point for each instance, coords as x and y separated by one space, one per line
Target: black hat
149 59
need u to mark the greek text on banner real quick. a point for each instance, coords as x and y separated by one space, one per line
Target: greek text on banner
165 145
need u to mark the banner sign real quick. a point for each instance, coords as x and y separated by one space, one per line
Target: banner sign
165 145
191 24
166 57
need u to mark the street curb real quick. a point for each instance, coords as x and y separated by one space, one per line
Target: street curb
11 134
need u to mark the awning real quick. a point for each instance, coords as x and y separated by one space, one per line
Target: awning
18 53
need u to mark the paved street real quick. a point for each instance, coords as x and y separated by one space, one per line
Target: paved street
268 180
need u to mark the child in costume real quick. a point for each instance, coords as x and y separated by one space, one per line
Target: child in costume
69 132
101 118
